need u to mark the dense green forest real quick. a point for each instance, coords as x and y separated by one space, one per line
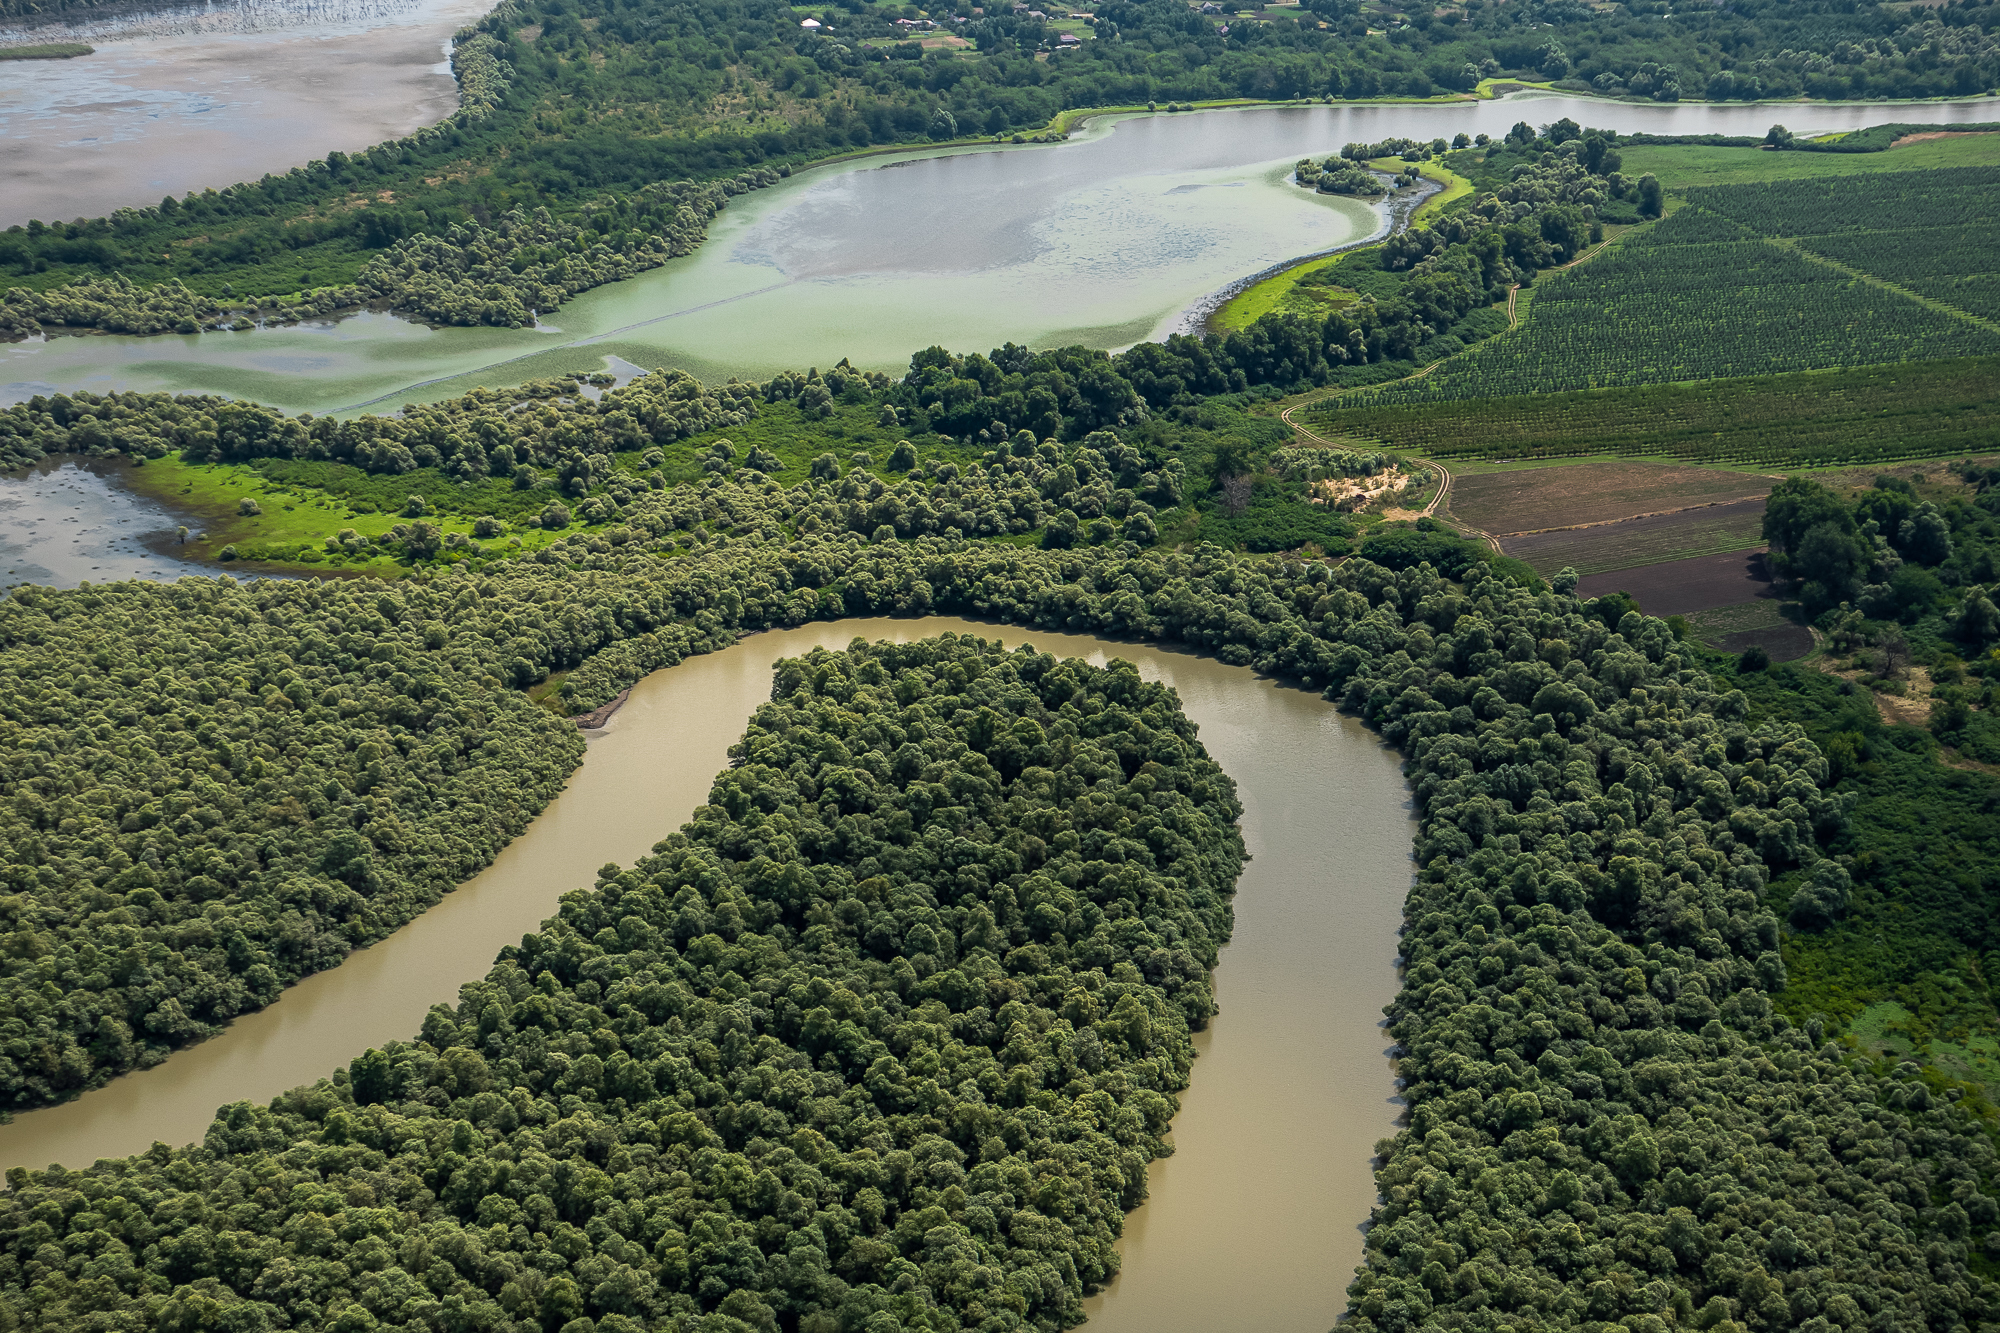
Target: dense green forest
887 1036
582 107
628 1120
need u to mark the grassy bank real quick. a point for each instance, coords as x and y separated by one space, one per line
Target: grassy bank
294 520
1277 292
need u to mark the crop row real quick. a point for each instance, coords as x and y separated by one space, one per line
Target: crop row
1978 293
1913 254
1664 313
1869 414
1964 197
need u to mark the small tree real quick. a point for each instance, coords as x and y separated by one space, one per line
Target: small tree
1652 200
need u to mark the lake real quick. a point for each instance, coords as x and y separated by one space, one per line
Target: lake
1106 240
69 520
198 97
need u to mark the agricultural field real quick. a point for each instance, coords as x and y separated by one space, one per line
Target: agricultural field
1517 501
1728 601
1681 167
1865 415
1685 300
1927 232
1710 530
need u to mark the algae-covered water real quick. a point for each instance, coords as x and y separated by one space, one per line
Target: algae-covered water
1103 241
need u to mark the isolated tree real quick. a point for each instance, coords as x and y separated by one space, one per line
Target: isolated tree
1652 202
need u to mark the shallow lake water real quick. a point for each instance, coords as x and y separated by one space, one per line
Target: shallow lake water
202 96
67 521
1105 241
1261 1206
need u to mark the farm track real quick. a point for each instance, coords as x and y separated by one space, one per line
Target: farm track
1439 502
1628 518
1514 319
1932 304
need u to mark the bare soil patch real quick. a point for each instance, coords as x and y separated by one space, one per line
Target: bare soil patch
1683 587
1534 500
1942 134
1729 600
1349 494
1709 530
1783 643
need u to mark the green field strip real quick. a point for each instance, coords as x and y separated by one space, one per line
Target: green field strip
1817 418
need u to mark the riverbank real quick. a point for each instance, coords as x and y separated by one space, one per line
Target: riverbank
1135 219
1244 302
47 51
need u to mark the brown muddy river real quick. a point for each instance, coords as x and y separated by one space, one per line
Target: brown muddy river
1260 1208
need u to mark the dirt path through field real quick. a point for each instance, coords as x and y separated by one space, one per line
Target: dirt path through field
1514 319
1628 518
1439 502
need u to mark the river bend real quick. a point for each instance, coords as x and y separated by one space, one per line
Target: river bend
1262 1204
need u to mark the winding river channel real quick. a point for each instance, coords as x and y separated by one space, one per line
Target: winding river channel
1261 1205
1106 240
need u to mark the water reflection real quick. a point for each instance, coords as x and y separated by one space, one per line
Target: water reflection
1105 241
67 521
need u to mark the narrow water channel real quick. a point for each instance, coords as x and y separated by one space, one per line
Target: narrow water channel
1259 1209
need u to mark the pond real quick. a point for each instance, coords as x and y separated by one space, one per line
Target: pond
1261 1206
69 520
1106 240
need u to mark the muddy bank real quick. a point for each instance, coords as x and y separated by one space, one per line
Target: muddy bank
601 714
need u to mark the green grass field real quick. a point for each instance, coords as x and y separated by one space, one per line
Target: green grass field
305 502
1681 167
295 515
